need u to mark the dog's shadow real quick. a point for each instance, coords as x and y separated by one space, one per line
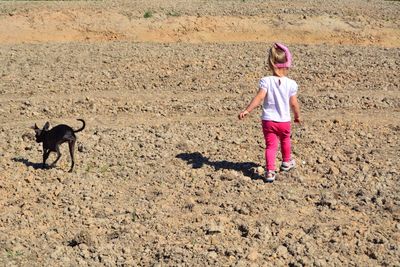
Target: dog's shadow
28 163
197 160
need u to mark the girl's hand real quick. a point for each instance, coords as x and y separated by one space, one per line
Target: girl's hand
298 120
243 114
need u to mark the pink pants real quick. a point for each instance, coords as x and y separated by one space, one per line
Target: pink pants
272 132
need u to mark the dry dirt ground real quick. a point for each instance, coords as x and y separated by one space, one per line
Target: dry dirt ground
165 174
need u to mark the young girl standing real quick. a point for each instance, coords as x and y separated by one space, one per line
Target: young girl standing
278 94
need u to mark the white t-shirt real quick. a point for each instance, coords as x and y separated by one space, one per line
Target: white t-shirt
276 105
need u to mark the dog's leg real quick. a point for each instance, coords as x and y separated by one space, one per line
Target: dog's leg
71 144
58 155
46 154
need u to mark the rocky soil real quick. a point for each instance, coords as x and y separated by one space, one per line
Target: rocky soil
165 174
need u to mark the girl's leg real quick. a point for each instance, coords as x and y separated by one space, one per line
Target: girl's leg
284 136
271 143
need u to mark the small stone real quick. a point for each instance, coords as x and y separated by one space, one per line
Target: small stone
279 220
260 170
81 148
214 229
334 158
319 262
253 255
56 253
229 176
126 250
236 142
242 210
212 255
29 178
190 204
27 137
244 230
85 253
282 251
84 237
242 263
344 170
130 262
300 178
333 170
364 168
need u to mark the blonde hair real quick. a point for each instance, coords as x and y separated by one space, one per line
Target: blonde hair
276 55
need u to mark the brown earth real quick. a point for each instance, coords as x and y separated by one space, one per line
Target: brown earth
165 173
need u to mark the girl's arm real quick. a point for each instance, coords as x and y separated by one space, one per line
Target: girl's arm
294 104
255 102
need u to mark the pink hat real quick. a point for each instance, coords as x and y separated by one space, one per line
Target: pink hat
288 62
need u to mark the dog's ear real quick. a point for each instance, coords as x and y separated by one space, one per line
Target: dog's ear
34 127
46 126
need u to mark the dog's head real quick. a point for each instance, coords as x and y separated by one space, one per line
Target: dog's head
39 133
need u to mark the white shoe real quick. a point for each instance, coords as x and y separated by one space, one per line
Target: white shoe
269 177
287 166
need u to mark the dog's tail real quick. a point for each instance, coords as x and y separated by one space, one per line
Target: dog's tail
83 126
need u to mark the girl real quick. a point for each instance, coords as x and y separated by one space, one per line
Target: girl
278 94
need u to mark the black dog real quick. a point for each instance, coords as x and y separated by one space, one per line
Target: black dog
53 138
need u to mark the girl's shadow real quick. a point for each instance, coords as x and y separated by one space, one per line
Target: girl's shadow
197 160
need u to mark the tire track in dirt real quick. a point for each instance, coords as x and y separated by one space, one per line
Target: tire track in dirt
386 117
166 96
131 107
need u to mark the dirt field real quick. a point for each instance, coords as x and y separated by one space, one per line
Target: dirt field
165 174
